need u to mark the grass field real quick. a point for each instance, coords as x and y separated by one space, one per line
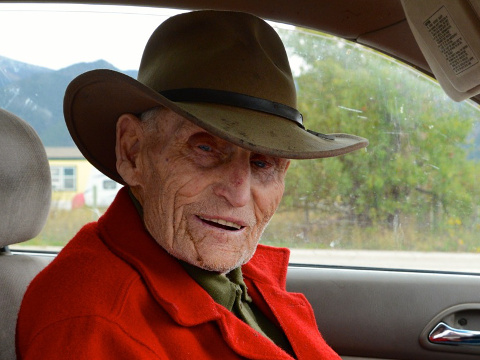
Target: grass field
326 232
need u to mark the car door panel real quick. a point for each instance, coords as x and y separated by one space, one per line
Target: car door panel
382 313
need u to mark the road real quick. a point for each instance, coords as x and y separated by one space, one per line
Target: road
463 262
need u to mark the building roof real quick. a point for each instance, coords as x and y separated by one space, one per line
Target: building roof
64 153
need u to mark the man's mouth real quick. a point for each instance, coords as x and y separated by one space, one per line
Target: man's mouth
222 224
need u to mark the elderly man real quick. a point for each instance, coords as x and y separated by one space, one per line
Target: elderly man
173 270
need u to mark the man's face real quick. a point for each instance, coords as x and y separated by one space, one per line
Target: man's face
205 200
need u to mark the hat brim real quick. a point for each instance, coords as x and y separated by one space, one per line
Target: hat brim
94 101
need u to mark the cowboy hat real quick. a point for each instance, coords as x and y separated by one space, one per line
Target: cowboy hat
227 72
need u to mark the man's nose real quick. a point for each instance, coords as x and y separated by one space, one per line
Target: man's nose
235 183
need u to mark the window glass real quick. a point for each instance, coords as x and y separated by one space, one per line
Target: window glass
63 178
410 200
109 184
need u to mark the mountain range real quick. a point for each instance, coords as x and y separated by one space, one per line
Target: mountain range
36 93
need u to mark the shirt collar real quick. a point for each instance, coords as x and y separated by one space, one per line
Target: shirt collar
222 288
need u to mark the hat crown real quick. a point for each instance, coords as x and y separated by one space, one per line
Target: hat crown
218 50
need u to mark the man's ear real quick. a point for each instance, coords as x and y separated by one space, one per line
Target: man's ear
128 139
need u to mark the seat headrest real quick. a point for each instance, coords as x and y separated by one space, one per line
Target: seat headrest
25 181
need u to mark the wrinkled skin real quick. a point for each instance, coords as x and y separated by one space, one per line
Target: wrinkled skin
205 200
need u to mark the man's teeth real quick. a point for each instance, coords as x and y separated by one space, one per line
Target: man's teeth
223 222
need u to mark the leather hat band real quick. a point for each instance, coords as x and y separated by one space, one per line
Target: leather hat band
234 99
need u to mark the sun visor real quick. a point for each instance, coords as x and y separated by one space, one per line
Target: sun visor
448 33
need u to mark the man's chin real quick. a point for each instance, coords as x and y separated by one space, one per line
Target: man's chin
226 263
222 268
219 266
215 259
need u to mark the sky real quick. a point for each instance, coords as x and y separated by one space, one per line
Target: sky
56 36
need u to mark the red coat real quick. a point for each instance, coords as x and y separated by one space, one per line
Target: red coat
114 293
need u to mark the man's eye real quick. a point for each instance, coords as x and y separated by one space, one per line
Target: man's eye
205 148
260 164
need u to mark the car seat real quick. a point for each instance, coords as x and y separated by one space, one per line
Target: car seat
25 196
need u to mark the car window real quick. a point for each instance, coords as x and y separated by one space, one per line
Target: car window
409 201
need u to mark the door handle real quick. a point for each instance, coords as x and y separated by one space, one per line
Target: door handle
445 334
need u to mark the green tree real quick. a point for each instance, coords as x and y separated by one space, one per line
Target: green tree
417 164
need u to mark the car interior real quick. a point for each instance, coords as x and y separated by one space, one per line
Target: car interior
370 302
